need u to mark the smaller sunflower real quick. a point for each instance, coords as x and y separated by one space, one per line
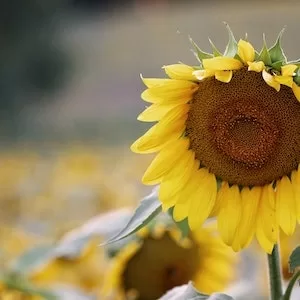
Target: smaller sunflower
85 272
160 260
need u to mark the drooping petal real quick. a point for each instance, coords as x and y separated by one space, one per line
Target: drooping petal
266 218
296 90
296 188
256 66
173 91
224 76
203 198
155 112
269 79
264 242
230 212
250 200
286 80
202 74
288 70
246 51
165 160
183 199
285 206
176 179
180 71
221 63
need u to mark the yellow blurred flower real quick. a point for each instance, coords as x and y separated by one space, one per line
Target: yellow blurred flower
160 260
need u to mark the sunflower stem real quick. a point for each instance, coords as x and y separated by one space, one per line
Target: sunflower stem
275 277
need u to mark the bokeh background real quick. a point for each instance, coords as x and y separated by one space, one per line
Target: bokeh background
70 93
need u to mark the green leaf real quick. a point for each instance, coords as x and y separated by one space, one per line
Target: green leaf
189 292
32 260
231 48
200 55
216 52
277 65
104 225
264 54
149 207
294 261
294 62
276 52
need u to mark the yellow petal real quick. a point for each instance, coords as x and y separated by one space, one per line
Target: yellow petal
288 70
285 206
167 129
154 140
202 74
180 71
165 160
296 90
256 66
178 176
266 218
296 189
264 242
221 63
203 198
154 82
286 80
183 200
246 51
250 200
174 91
155 112
224 76
269 79
230 212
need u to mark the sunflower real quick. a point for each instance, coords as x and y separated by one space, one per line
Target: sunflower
85 271
160 260
227 139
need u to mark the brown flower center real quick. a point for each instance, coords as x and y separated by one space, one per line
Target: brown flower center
244 131
159 266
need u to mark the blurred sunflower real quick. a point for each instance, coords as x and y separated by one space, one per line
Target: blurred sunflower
85 271
160 260
227 139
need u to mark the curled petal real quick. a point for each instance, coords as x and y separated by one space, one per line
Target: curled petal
202 74
180 71
270 80
224 76
285 80
246 51
256 66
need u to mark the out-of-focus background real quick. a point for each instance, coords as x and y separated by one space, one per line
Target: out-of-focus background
70 93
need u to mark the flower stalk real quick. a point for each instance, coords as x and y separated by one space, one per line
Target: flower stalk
275 276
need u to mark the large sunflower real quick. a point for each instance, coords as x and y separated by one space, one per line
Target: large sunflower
228 142
160 259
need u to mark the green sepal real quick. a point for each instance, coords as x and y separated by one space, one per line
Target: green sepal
297 77
277 65
276 51
294 260
264 54
231 48
199 54
215 50
182 225
294 62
